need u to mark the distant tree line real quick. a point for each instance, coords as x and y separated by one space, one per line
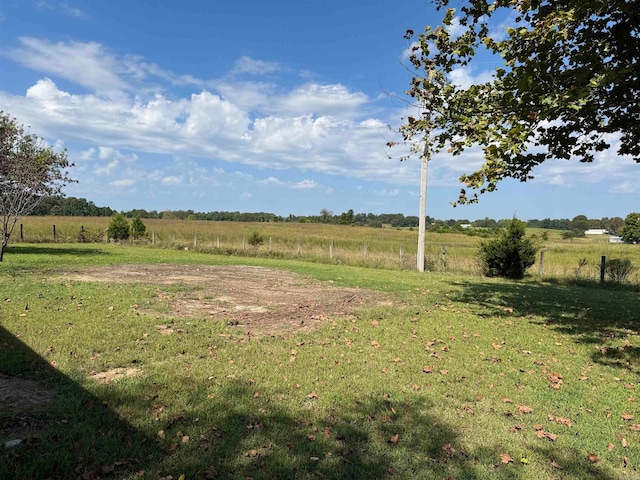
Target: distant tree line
80 207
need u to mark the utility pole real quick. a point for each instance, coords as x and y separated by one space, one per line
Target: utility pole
426 155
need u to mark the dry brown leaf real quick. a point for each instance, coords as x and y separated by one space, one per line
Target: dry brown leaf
313 395
610 446
627 416
537 427
592 457
524 409
507 400
506 458
426 369
394 439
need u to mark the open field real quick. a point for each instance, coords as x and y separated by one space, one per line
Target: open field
120 362
574 259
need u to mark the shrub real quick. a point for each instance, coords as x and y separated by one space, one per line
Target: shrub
255 239
118 227
138 228
510 254
619 270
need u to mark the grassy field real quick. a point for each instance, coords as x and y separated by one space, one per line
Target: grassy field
568 259
458 377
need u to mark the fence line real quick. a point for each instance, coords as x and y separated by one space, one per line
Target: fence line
439 256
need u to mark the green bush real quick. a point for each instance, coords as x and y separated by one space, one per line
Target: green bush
138 228
255 239
510 254
118 227
619 270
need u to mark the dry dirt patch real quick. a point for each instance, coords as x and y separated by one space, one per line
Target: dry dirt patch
20 393
256 300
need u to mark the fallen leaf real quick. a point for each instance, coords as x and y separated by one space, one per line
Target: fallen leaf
313 395
507 400
626 416
443 372
524 409
610 446
506 458
426 369
394 439
592 457
554 464
563 421
161 433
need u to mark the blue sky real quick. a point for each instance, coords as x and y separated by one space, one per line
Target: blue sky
280 106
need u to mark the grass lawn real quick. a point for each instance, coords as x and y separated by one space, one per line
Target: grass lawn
454 377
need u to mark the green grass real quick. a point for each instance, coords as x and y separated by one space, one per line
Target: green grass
353 401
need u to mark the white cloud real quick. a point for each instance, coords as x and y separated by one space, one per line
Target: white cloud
313 127
301 185
124 182
254 67
464 77
85 64
171 180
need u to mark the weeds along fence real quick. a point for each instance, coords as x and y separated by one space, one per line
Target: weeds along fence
578 259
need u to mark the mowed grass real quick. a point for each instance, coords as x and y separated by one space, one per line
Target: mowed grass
462 377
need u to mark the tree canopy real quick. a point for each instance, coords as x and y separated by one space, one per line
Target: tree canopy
30 171
568 85
631 229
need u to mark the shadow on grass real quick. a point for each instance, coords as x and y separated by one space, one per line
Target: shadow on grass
48 250
73 435
369 439
596 316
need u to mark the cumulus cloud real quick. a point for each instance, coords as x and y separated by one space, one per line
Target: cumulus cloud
311 127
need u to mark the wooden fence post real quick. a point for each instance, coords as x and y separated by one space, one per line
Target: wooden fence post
270 243
401 253
299 247
21 235
218 241
244 243
54 232
153 238
541 268
364 253
603 263
195 241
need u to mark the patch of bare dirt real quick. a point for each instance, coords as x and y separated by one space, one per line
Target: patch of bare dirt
22 394
256 300
115 374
